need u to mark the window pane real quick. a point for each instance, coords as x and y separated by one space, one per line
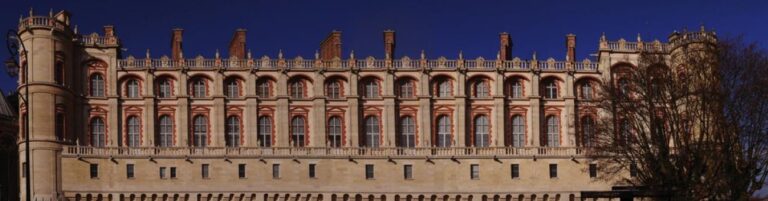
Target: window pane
97 132
204 169
275 171
552 170
369 171
297 131
475 171
233 131
444 131
481 131
372 133
265 131
408 171
134 128
166 131
518 131
553 131
407 132
334 132
200 130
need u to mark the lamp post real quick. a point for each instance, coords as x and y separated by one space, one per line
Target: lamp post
15 49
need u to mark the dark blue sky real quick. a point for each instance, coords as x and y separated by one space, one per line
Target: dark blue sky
438 27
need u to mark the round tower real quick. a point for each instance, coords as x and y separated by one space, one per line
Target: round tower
48 91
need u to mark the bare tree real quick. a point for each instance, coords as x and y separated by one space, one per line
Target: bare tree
690 123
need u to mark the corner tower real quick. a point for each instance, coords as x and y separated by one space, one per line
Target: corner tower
50 101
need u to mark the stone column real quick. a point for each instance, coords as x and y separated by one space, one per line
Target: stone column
499 118
182 112
282 116
425 112
218 113
568 120
389 117
353 117
534 119
460 114
317 119
251 116
149 110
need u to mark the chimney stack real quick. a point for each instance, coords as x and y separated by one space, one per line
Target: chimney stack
109 31
331 46
505 51
389 44
570 45
176 44
237 45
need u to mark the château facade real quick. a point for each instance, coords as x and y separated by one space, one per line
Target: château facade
106 126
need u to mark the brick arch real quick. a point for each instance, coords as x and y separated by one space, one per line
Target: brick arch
240 84
471 90
123 80
559 83
341 80
593 81
435 81
371 78
206 79
524 81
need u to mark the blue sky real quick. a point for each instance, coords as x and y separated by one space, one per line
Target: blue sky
438 27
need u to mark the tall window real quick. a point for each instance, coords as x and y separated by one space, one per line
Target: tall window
60 126
550 89
97 85
623 88
481 89
233 89
407 132
166 131
586 91
97 132
134 128
333 90
624 131
406 89
132 88
200 131
371 89
298 131
58 73
518 131
263 89
444 88
443 131
334 132
481 131
553 131
297 89
516 89
199 88
233 131
265 131
372 131
587 131
164 88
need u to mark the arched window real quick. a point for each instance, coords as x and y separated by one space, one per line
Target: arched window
60 126
200 131
233 132
550 89
297 89
334 132
481 131
297 131
371 89
233 88
481 89
518 131
443 131
265 131
134 127
372 131
553 131
97 85
263 89
199 90
444 88
166 131
406 89
587 131
586 91
333 90
407 132
164 89
97 132
132 88
516 89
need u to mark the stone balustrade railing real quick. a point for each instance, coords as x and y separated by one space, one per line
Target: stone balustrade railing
42 22
418 152
630 46
96 40
370 63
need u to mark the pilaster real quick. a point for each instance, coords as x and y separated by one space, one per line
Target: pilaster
251 112
318 113
354 112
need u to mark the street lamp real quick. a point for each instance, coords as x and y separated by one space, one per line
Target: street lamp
15 46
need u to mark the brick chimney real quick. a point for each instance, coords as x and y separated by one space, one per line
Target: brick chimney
176 53
109 31
331 46
505 50
389 44
570 45
237 45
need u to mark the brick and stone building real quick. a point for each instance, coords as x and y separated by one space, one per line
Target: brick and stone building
108 126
